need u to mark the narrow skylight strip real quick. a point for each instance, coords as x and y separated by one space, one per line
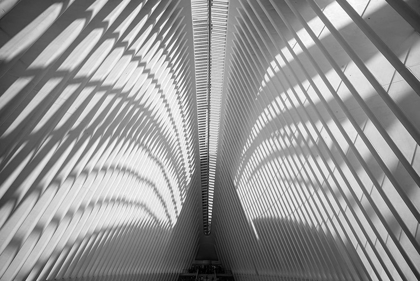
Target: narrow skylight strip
219 15
200 15
209 29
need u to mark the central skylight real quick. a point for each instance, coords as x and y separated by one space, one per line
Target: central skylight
209 28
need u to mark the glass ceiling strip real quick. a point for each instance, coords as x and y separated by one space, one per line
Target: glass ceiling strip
200 15
219 15
209 30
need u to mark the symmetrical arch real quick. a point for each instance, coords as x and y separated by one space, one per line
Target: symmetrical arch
286 132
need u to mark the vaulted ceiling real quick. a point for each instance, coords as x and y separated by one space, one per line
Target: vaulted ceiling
284 134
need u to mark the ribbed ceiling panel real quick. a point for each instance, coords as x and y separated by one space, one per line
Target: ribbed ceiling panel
318 174
98 141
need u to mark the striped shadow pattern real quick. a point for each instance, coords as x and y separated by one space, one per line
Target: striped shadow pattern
319 162
99 141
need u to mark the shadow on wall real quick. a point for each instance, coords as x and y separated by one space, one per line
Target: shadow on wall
321 139
142 250
305 249
96 146
283 249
